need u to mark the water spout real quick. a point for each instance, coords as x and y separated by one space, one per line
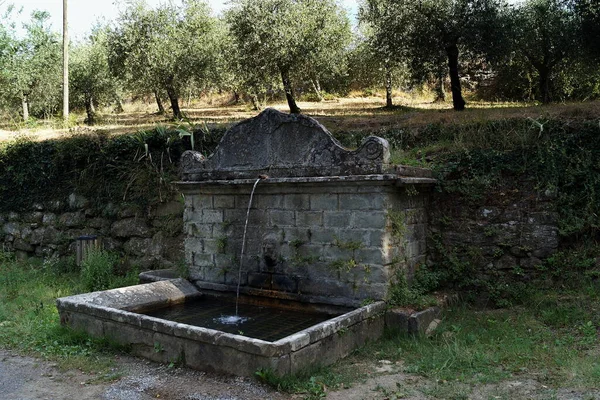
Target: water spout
237 298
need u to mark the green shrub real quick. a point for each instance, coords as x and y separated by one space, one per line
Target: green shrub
97 270
573 267
418 293
60 265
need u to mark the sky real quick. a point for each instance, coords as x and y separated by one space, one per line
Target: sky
82 14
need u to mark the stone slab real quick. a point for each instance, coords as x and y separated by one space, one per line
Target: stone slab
134 297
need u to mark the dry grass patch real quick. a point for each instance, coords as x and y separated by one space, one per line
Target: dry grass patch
338 115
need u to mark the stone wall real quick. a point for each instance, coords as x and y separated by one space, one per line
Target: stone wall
508 232
337 242
148 238
328 223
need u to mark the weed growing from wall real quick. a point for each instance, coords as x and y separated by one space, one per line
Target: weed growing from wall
298 259
417 294
346 265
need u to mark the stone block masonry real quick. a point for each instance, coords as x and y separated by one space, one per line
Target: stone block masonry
330 241
505 236
116 314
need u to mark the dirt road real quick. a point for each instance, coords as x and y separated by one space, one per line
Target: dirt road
27 378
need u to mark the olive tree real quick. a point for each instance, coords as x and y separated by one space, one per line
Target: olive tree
588 15
90 78
428 33
167 48
545 33
385 27
326 42
369 68
253 82
7 44
31 68
288 38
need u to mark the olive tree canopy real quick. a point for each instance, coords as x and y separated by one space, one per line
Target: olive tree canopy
427 32
167 48
288 38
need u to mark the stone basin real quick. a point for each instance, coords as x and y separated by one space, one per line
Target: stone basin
117 314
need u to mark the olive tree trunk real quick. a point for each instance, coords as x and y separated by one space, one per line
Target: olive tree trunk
440 90
25 105
256 105
544 84
457 100
317 88
159 103
289 91
544 69
119 107
388 87
174 98
90 110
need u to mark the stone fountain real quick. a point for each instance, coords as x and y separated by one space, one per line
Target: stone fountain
329 225
330 230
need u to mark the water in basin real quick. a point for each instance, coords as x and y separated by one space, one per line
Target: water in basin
257 321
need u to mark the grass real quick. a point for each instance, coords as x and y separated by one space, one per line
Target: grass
489 346
29 321
315 382
553 339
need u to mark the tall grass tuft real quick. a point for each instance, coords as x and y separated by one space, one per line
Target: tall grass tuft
98 272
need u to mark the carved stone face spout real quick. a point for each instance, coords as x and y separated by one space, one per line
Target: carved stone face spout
270 251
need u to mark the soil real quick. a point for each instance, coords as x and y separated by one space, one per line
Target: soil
27 378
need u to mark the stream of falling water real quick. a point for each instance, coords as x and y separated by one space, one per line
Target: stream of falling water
237 294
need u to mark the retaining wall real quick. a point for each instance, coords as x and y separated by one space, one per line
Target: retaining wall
148 238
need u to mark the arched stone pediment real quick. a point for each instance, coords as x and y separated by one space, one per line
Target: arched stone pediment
284 145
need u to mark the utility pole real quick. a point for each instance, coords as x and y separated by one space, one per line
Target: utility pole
65 64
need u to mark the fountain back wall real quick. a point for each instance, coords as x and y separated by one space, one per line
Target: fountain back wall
326 224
